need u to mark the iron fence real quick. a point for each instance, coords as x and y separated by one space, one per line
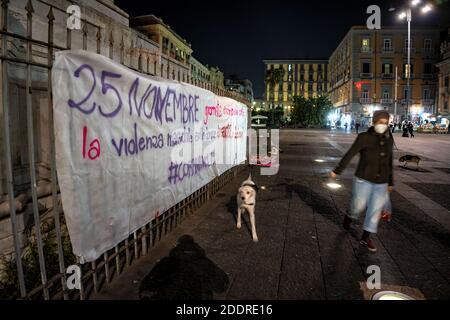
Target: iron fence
31 213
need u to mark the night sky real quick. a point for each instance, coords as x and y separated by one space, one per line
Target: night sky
237 35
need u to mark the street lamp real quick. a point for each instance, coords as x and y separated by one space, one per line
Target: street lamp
408 15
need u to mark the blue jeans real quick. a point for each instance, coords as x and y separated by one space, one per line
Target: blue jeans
368 195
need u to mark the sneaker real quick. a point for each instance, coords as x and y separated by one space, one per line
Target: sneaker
347 222
367 242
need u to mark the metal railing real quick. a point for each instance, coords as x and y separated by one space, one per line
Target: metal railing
29 192
365 100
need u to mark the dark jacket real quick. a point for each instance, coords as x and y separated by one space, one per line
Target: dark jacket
375 162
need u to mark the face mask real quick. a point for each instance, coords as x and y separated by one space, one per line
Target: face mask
380 128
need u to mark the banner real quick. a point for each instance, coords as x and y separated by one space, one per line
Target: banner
130 146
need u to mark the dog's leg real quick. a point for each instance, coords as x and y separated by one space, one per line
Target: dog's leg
251 213
239 218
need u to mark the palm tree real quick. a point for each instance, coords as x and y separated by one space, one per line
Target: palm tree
274 76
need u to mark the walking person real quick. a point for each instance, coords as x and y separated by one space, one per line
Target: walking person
393 127
357 125
405 130
411 129
373 177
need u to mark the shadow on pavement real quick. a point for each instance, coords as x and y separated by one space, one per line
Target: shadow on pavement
186 274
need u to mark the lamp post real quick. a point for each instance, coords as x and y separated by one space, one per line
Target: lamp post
408 15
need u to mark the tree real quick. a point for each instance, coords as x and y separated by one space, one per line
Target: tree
274 76
311 111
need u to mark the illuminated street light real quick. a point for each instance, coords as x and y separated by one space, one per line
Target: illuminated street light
426 8
408 15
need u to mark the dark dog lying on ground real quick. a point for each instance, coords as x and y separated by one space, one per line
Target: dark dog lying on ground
409 158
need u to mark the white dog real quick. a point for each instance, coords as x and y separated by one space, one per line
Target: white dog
246 200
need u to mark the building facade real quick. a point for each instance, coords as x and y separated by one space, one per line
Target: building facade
175 52
285 79
444 79
242 86
217 78
363 69
199 72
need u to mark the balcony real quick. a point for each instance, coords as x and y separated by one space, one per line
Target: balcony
365 100
405 50
410 78
407 101
387 101
427 76
428 50
387 76
388 50
366 75
427 102
366 50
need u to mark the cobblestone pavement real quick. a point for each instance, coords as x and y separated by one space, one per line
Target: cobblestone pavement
303 252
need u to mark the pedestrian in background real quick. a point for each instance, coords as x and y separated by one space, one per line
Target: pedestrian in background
405 130
357 127
393 127
411 129
373 177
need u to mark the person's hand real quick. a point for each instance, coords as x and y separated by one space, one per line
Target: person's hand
333 175
390 188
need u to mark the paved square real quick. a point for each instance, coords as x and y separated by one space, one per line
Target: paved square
303 252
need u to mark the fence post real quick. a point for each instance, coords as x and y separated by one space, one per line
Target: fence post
99 40
31 153
85 33
9 172
56 210
111 45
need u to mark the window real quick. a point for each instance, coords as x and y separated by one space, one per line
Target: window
165 42
427 68
405 93
387 44
427 44
385 94
445 105
426 94
366 67
446 82
365 94
365 44
387 68
406 43
310 77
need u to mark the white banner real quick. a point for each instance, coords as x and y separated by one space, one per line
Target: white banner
129 146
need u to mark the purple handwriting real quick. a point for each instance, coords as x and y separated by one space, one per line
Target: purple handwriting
163 106
134 145
179 171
